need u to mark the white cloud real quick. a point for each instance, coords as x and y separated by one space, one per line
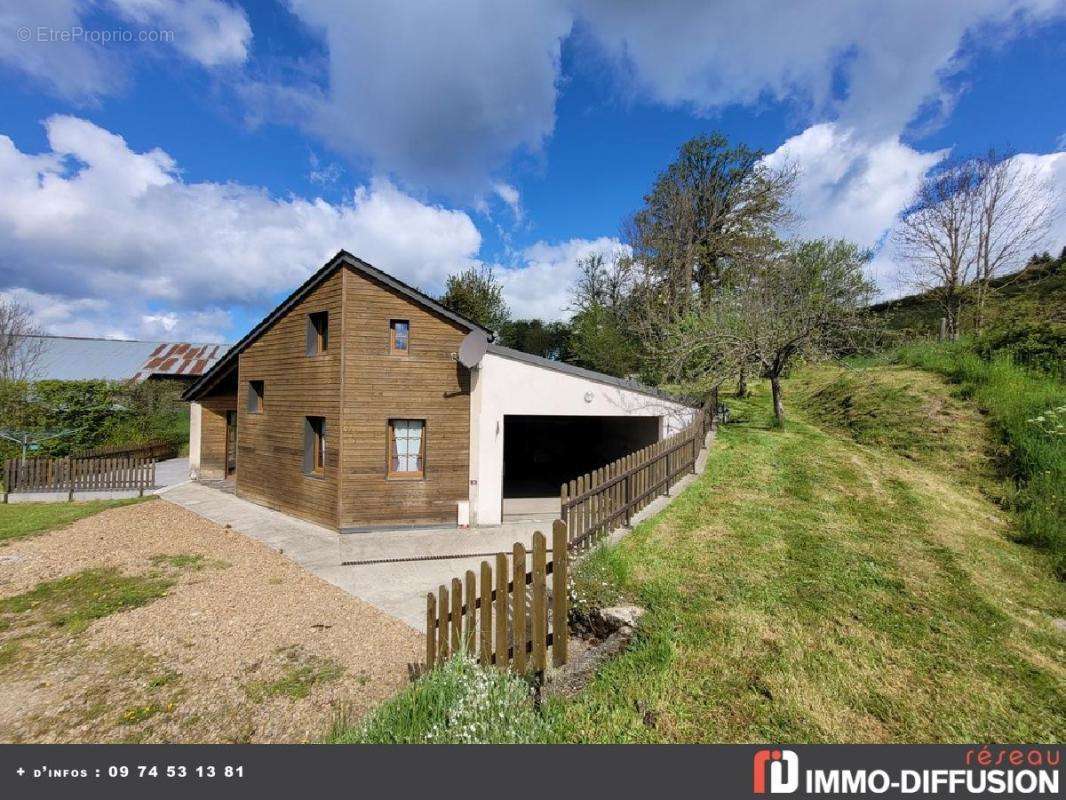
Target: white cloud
40 40
848 186
120 228
889 56
210 32
511 197
439 93
539 285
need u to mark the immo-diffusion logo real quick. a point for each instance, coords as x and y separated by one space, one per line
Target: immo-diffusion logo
783 769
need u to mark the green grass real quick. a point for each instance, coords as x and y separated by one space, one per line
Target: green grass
19 520
459 703
299 675
812 588
187 561
1024 407
74 601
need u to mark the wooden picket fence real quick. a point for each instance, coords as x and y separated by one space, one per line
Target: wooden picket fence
157 449
78 474
507 619
596 503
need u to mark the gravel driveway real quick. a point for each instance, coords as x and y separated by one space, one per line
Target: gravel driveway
242 644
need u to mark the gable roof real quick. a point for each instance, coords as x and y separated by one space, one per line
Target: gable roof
342 258
588 374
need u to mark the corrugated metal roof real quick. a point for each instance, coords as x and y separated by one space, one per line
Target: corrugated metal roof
70 358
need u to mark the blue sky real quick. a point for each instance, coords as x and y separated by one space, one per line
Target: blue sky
178 180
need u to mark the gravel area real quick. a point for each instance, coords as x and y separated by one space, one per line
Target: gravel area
244 646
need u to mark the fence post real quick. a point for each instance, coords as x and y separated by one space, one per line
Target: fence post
560 597
540 606
457 615
470 628
518 609
442 621
70 479
431 633
486 613
627 490
501 611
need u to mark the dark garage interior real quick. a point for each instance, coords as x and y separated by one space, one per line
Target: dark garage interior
541 453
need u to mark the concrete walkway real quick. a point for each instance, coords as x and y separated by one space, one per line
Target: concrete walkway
397 587
390 569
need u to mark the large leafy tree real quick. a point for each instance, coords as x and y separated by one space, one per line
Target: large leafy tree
802 300
603 300
544 339
477 294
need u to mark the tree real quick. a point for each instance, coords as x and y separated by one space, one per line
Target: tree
937 235
787 302
602 337
477 294
703 212
534 336
1015 206
21 347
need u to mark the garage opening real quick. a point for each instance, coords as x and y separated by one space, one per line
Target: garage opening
540 453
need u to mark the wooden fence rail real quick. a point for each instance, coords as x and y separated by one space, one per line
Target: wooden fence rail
596 503
157 449
78 474
505 618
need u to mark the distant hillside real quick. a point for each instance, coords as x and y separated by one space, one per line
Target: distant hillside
1036 293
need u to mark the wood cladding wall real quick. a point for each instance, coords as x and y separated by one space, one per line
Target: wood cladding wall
426 383
213 434
270 451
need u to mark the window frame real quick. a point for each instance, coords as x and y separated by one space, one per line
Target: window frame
390 439
393 349
315 427
317 334
257 390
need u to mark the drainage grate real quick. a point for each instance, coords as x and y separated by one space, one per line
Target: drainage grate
401 560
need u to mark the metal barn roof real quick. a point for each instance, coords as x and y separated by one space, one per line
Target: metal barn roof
71 358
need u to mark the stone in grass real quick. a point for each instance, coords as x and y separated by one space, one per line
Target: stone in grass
620 617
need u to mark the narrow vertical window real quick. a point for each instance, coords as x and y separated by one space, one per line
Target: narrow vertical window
399 335
407 448
315 445
255 397
317 333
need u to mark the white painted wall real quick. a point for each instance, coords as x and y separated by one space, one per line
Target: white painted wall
194 439
505 386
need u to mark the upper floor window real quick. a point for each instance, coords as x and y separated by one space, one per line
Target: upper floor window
317 333
399 335
255 397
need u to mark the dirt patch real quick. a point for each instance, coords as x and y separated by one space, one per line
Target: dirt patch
239 645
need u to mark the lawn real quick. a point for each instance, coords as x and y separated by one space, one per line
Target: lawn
18 520
850 578
813 588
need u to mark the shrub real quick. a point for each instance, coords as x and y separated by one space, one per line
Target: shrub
461 702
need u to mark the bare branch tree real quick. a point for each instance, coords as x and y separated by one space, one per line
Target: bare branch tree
936 237
21 347
1015 207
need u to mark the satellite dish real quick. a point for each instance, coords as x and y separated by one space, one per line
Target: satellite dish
473 349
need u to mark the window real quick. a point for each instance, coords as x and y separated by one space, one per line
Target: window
317 333
255 397
407 448
314 445
399 335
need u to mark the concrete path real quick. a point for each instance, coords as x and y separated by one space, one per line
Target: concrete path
396 587
390 569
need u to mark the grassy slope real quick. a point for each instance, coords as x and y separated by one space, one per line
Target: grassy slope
18 520
1037 294
812 588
